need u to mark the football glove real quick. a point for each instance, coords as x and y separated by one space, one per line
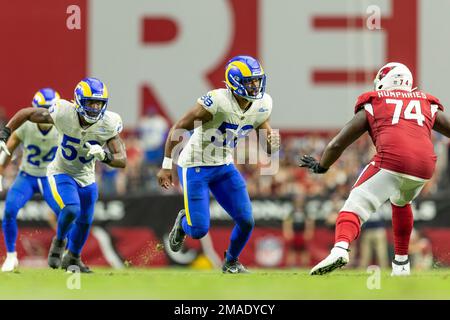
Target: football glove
4 136
96 151
312 164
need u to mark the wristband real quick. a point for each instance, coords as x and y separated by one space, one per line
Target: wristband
167 163
5 133
108 157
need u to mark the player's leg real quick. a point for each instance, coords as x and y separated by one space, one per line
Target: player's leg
373 188
46 192
80 231
193 220
65 192
230 191
20 192
402 224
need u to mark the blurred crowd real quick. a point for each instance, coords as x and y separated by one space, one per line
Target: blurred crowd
145 151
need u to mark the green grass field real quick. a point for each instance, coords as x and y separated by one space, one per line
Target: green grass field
181 284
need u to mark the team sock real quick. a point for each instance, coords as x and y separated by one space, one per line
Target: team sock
347 229
402 225
78 237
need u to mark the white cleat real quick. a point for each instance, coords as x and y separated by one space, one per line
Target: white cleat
11 263
400 269
336 259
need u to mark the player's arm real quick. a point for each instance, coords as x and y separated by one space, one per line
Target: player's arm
193 118
442 124
349 134
37 115
272 137
13 142
117 155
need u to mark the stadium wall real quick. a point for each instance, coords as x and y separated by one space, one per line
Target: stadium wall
159 54
132 231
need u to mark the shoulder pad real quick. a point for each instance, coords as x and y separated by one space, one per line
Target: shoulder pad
363 99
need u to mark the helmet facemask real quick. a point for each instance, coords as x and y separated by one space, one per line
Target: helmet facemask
90 114
254 87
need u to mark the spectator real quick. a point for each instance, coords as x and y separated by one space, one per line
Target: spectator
153 129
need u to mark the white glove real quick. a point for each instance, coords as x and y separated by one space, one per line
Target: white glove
96 151
4 148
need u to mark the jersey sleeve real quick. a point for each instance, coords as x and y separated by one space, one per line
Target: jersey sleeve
266 108
364 99
57 112
115 125
434 100
210 101
20 132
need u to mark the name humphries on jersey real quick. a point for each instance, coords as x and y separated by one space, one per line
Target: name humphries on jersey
212 143
401 94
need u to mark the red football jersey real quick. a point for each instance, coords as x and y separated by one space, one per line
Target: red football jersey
400 127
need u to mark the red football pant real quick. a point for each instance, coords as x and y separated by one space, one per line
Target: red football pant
347 227
402 225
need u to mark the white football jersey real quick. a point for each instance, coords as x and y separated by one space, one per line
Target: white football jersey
39 148
71 157
212 143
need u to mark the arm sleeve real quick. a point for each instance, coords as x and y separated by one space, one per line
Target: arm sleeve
362 100
435 101
20 132
210 101
116 126
56 112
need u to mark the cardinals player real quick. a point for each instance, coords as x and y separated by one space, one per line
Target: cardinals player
399 120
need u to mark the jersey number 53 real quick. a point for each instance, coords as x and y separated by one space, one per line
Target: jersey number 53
69 151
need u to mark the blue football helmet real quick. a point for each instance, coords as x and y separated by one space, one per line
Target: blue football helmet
240 75
45 98
91 89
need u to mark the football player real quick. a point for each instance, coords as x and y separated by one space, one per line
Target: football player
85 127
40 142
218 120
399 120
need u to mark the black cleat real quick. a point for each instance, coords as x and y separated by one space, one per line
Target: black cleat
71 262
177 234
233 266
55 253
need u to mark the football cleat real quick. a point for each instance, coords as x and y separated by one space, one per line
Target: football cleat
55 253
400 269
336 259
233 266
11 263
177 234
72 262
